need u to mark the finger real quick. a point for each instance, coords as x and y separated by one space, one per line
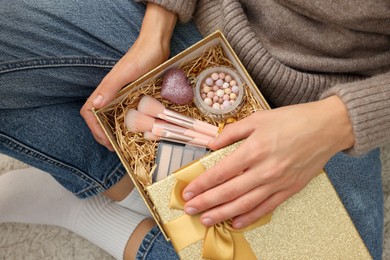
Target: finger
221 194
267 206
95 127
227 192
242 205
213 177
232 133
121 74
230 166
227 206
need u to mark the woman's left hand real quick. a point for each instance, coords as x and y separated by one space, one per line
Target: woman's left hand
149 50
284 149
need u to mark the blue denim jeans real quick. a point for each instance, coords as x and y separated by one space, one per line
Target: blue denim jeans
52 56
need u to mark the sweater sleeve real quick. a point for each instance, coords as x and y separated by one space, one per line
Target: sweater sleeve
368 104
183 8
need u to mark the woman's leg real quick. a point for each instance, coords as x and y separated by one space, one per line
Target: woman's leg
358 182
34 197
53 54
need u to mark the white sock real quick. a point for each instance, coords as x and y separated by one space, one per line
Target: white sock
135 202
34 197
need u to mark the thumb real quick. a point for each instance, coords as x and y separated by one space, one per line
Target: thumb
121 74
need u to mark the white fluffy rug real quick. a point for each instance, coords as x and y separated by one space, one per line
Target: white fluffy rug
19 241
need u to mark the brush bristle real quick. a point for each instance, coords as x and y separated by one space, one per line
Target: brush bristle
158 131
150 106
138 122
151 137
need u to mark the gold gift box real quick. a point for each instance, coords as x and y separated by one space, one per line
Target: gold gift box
313 224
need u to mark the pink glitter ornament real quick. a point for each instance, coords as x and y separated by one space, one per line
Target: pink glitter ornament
176 87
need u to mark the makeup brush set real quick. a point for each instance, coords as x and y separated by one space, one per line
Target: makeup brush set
182 138
160 123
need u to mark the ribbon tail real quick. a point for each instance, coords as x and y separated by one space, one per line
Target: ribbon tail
185 231
218 244
242 249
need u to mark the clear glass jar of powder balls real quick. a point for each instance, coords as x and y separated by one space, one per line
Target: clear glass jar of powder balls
219 92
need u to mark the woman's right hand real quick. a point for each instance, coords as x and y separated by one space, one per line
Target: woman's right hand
284 149
149 50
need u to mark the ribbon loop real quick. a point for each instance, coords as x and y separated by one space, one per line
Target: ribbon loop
220 241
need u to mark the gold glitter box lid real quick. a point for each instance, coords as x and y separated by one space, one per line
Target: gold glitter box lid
312 224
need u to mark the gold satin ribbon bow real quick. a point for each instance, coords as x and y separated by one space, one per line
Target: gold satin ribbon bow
222 124
220 241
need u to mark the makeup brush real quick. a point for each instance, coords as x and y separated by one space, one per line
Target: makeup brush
138 122
162 134
152 107
150 136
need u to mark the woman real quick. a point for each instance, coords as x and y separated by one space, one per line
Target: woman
325 65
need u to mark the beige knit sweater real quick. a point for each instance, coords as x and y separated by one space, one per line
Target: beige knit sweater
304 50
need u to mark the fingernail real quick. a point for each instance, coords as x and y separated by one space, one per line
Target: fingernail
107 143
190 210
238 225
97 101
188 195
207 221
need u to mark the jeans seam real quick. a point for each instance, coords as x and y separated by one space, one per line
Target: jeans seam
32 153
117 171
45 62
148 240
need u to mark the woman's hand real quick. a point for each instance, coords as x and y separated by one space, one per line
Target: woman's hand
284 149
149 50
